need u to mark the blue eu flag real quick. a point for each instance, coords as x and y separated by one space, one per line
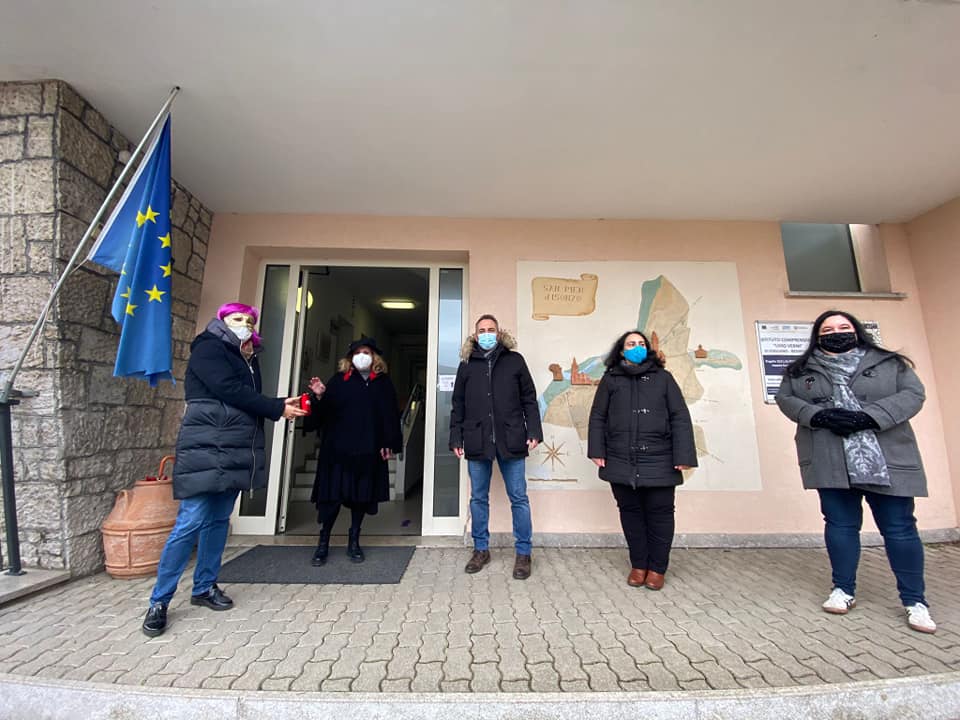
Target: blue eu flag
135 241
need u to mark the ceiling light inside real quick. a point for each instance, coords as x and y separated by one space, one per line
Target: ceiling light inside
398 304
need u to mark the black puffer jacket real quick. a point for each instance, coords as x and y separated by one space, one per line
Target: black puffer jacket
220 444
640 425
494 403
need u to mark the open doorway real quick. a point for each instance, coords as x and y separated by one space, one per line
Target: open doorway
342 304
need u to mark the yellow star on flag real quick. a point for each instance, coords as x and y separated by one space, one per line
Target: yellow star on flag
141 218
127 293
155 294
164 240
151 215
167 269
131 308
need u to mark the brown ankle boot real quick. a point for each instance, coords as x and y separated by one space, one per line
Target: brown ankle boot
477 561
521 567
654 580
636 577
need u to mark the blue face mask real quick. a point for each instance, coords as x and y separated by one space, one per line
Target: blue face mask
636 354
487 341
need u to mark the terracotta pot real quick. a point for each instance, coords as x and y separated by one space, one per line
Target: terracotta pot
136 530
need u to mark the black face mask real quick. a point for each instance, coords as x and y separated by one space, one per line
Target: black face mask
839 342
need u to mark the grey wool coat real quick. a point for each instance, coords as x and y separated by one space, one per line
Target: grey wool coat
889 391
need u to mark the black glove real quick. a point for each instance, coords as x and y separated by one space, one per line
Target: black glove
843 422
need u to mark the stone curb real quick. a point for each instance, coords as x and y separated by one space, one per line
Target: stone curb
931 697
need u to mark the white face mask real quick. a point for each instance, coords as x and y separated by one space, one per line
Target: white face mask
240 324
244 333
362 361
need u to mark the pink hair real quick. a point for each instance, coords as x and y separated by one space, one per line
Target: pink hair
236 307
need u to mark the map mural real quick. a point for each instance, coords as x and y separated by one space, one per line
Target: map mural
691 313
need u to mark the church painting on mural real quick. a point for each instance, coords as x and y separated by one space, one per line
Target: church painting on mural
569 315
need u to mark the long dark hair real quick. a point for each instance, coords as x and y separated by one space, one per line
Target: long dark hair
798 366
614 357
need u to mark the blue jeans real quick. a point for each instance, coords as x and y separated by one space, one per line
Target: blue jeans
515 481
203 521
843 513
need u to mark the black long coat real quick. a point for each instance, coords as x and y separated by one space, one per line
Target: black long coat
356 418
640 425
494 403
220 445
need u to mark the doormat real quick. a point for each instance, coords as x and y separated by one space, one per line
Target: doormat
290 565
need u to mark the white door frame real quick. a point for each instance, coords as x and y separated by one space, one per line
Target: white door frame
281 438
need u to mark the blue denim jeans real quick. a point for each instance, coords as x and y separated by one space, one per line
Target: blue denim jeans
843 514
203 521
515 481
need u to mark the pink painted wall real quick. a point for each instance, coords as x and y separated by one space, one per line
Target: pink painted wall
493 248
934 240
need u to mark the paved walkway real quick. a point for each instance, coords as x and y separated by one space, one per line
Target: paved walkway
727 620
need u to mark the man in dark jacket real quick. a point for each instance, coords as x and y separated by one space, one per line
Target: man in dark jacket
495 416
220 451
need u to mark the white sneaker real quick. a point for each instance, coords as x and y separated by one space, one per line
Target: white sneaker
839 603
918 618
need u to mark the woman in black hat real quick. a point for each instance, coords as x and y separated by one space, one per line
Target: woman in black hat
358 420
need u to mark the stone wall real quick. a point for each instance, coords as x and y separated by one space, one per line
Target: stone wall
88 434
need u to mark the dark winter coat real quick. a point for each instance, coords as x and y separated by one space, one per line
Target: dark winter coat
494 403
889 391
640 425
220 445
356 417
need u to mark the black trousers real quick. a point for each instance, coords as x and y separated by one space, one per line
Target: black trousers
647 518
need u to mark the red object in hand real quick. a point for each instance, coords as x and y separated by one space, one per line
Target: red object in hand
305 402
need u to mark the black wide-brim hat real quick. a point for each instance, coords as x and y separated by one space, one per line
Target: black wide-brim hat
364 341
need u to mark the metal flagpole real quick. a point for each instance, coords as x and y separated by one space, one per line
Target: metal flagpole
9 396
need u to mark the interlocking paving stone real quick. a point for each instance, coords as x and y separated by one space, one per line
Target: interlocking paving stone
486 678
573 626
370 676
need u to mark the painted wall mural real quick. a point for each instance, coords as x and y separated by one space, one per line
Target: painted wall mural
569 315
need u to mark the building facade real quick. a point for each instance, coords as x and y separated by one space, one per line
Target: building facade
565 288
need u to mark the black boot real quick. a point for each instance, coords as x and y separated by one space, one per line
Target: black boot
354 552
323 548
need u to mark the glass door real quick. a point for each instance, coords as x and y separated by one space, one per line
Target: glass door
285 291
256 513
445 497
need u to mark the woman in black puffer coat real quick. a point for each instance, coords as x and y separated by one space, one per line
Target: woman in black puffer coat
641 438
220 451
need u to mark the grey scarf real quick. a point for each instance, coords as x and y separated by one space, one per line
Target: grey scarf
865 462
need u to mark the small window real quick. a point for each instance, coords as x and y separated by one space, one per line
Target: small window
820 257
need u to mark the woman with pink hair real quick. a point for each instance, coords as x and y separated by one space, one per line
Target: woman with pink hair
220 451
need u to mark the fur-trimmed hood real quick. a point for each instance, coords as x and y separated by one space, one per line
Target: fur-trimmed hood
470 344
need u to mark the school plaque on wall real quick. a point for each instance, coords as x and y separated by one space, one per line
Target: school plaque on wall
781 342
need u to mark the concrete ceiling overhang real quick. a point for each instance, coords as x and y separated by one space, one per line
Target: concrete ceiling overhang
820 110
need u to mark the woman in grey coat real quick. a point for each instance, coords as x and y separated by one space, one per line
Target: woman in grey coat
852 401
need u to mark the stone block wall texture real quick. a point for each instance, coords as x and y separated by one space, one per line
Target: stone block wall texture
88 434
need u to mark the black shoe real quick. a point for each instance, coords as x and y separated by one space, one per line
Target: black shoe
155 623
354 552
323 549
213 599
